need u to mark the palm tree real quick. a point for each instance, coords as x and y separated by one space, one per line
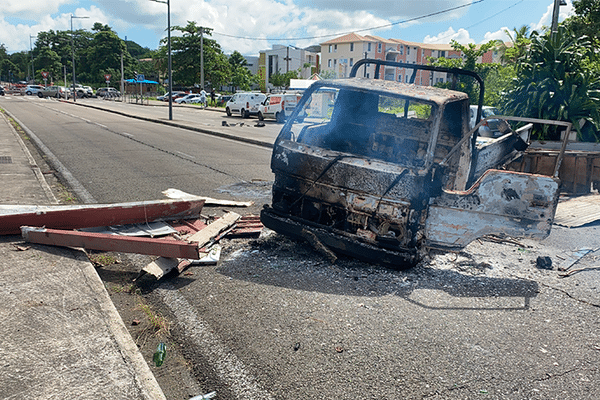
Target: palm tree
554 81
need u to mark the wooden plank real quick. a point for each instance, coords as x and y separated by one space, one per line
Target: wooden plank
93 215
106 242
211 232
178 194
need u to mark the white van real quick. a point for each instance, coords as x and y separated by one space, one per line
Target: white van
278 106
245 104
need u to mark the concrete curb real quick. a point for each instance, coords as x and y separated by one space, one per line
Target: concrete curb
34 167
81 192
145 378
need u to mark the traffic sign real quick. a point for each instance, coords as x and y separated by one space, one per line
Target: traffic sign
140 78
107 77
45 75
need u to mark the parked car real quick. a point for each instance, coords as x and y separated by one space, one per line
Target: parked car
165 97
490 128
382 171
108 92
1 90
54 91
32 89
245 104
188 99
223 99
278 106
85 91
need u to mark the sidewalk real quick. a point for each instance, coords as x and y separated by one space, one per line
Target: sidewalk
60 335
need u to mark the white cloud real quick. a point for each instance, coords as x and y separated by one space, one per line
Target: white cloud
461 36
31 8
500 34
546 19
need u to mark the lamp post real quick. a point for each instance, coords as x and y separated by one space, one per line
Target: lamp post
168 3
73 55
555 12
32 70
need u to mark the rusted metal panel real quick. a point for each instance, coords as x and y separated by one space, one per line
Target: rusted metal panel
93 215
107 242
501 202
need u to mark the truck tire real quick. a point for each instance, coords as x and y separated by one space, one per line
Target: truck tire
260 116
228 111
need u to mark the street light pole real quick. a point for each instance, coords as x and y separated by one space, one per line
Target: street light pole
168 3
555 12
73 56
32 70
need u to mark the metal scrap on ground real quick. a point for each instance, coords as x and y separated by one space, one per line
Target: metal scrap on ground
12 218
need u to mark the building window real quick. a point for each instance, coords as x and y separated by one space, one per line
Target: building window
369 47
334 62
329 63
351 61
330 47
335 48
407 50
399 77
401 49
443 53
379 47
367 74
406 78
351 46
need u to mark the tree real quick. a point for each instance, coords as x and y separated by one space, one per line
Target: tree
471 54
49 62
558 78
283 80
586 21
186 55
519 43
103 56
241 77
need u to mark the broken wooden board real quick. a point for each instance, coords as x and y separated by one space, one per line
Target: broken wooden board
108 242
181 195
161 266
12 218
210 233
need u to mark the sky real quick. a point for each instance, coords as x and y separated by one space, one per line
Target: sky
249 26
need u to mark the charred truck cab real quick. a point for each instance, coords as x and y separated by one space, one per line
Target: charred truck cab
381 171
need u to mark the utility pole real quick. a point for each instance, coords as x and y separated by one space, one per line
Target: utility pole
287 59
168 3
73 55
555 12
32 69
202 58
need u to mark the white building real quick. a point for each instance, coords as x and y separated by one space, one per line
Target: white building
281 59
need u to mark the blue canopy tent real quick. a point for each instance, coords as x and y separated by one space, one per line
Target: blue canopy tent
144 81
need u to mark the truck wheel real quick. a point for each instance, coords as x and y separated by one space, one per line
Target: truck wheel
260 116
245 113
228 111
40 95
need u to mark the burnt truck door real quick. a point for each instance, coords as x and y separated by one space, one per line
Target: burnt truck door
503 203
499 202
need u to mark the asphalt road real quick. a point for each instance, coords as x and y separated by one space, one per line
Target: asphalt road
274 320
117 158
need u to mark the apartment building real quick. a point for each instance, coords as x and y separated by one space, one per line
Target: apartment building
339 55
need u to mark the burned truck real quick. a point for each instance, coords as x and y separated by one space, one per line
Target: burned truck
383 171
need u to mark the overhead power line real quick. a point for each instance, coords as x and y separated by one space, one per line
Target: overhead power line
354 31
